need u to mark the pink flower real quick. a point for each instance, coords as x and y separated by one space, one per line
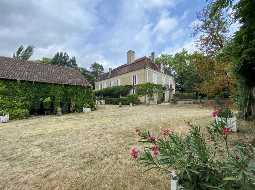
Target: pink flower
155 150
226 131
134 152
215 113
152 139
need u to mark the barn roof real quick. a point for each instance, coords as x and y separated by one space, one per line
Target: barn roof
13 69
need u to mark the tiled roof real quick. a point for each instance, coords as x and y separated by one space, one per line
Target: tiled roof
138 64
13 69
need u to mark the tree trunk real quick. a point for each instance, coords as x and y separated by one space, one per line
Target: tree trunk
253 103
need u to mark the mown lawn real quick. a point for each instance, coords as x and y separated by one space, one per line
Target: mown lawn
90 151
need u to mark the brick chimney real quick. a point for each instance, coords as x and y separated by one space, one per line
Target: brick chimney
152 57
130 56
110 72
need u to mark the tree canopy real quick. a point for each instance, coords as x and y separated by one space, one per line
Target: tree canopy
181 67
23 53
96 69
62 58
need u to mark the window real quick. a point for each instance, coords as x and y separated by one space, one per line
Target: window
100 86
134 80
155 78
118 82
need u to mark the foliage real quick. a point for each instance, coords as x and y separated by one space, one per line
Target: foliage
20 98
63 59
185 95
88 75
213 27
214 75
23 53
47 103
96 69
181 67
123 100
45 60
202 160
243 52
114 92
148 89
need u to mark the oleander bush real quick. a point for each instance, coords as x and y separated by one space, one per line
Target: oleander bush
202 160
21 98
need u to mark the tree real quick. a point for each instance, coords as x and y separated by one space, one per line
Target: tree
214 75
213 27
97 69
63 59
45 60
23 53
181 67
243 51
88 75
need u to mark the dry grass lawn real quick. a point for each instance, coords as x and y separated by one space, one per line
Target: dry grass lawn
86 151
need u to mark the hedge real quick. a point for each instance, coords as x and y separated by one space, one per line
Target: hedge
21 98
123 100
114 92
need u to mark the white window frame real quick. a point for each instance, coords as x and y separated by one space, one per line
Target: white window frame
155 78
147 76
134 82
118 82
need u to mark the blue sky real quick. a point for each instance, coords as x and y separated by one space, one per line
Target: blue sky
98 30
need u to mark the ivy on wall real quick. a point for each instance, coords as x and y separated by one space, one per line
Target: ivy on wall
21 98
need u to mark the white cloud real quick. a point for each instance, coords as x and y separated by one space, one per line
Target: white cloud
164 26
151 4
188 45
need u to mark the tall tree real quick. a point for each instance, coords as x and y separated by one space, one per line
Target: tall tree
63 59
97 69
23 53
243 51
213 26
88 75
182 68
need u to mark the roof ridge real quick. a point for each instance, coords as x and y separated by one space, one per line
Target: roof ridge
35 62
14 69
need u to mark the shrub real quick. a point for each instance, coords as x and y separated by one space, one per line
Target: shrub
133 98
114 92
18 113
123 100
185 95
202 161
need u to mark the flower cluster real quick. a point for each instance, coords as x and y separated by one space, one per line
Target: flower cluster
134 152
155 150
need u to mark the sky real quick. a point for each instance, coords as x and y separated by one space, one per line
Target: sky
98 30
